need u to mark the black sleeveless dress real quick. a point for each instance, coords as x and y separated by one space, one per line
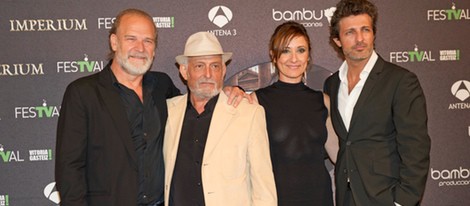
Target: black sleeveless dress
295 116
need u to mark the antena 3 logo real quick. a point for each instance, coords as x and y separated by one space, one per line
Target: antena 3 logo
28 69
307 17
452 177
84 65
47 25
4 200
461 90
31 112
51 193
418 55
221 16
449 14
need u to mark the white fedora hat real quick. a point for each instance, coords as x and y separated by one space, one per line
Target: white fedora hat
202 44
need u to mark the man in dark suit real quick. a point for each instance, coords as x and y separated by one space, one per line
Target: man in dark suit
378 110
111 124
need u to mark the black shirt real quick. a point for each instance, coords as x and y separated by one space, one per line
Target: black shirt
144 124
186 185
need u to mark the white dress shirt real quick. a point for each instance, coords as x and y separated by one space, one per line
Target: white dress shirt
346 100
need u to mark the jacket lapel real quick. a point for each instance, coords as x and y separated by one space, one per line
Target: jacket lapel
367 90
221 119
112 100
335 115
176 112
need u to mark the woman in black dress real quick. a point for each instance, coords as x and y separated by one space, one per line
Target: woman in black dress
297 119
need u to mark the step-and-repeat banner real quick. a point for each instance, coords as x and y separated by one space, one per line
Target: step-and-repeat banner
46 44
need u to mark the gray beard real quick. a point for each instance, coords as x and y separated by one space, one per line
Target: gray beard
131 69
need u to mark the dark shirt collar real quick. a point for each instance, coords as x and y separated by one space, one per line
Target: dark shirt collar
208 108
147 82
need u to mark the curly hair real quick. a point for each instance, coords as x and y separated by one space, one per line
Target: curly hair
346 8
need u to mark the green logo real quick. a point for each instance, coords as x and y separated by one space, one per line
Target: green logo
4 201
9 156
456 14
47 111
419 56
89 66
164 22
40 155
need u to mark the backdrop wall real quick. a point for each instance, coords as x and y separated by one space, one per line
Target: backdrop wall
46 44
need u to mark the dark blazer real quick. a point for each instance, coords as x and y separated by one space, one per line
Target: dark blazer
386 151
96 162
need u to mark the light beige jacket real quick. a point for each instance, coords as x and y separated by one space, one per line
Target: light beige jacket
236 167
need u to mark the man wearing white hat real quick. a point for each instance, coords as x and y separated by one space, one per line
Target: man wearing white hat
214 154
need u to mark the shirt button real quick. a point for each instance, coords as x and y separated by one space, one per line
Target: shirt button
145 134
145 197
196 140
198 184
348 143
